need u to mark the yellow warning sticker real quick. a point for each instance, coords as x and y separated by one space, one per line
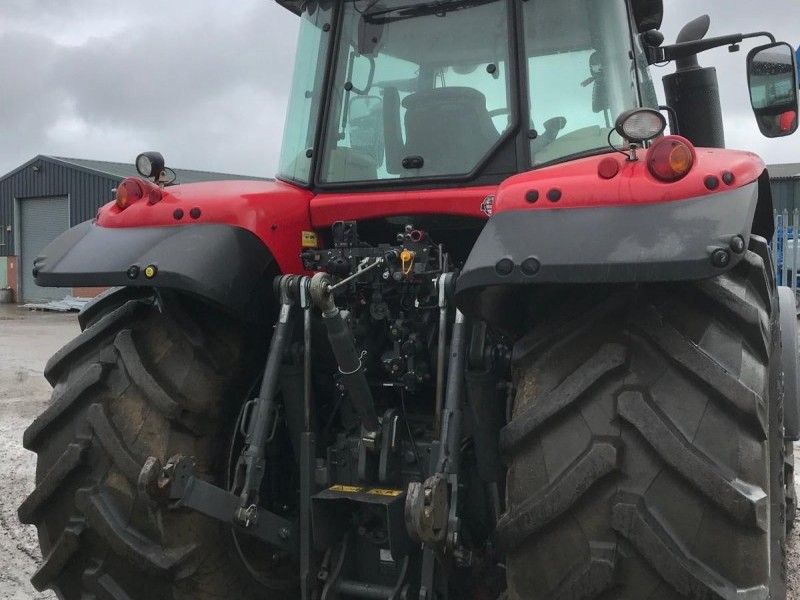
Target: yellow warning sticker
384 492
345 489
308 239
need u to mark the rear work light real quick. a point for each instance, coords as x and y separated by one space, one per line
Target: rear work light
640 124
133 189
671 158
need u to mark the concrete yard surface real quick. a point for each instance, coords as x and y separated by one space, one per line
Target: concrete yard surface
27 340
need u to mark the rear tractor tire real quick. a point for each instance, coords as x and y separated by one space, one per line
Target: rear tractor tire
149 376
646 449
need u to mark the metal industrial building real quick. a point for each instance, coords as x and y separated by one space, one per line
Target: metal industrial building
785 186
47 195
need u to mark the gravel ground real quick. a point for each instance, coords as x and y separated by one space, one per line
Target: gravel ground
27 339
26 342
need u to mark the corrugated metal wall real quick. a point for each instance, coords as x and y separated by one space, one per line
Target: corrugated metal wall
786 194
86 192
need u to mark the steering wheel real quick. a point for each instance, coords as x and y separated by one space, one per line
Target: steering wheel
497 112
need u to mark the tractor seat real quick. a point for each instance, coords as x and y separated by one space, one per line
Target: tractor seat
450 128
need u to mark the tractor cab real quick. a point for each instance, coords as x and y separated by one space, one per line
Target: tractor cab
404 92
395 91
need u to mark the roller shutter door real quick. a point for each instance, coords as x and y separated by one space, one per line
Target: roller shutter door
41 220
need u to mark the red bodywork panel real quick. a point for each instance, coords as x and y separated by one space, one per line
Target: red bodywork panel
326 209
274 211
581 186
278 213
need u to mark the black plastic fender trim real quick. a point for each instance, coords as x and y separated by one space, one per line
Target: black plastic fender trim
691 239
791 389
226 265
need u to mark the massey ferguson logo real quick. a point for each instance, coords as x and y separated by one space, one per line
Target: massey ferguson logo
487 206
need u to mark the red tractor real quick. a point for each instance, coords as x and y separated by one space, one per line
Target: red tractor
490 334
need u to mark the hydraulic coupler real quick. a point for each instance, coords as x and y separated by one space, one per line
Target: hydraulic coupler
344 349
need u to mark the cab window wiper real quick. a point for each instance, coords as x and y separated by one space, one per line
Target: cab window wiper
399 13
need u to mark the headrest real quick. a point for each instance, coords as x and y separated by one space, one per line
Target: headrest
447 94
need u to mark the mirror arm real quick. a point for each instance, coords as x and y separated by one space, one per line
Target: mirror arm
674 124
687 49
765 34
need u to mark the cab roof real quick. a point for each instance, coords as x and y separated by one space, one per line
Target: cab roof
649 13
296 6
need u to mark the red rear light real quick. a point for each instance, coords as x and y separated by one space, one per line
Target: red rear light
671 158
129 191
787 121
132 189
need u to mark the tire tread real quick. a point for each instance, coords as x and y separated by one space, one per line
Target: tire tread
744 502
669 399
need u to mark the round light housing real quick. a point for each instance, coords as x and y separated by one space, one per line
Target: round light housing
671 158
150 164
129 191
640 124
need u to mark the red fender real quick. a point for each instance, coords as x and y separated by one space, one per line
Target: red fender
274 211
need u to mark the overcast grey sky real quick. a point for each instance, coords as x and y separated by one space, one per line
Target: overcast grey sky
205 81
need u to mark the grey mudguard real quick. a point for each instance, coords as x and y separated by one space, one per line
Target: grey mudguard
226 265
669 241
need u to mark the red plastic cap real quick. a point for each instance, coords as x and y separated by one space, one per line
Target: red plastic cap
608 168
155 195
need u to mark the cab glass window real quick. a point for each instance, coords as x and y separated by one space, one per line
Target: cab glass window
420 89
303 110
581 74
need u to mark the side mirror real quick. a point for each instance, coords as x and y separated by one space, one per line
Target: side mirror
772 77
365 126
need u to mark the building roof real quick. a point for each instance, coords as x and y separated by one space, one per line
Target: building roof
785 171
122 170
